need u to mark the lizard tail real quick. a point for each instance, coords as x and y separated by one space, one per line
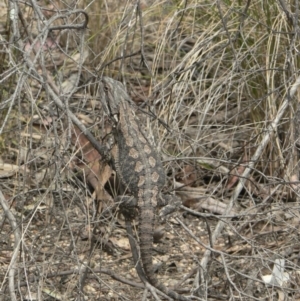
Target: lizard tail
146 230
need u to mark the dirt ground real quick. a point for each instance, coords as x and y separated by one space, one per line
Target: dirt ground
62 235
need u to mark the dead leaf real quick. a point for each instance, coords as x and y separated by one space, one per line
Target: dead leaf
95 171
8 170
188 175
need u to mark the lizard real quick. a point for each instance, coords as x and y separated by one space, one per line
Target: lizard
139 168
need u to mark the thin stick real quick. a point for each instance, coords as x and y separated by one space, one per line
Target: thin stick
15 229
244 177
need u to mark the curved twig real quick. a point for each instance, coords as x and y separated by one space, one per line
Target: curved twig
70 26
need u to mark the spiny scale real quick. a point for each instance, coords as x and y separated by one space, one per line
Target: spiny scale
138 166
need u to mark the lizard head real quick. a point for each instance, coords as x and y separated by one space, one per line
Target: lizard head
112 94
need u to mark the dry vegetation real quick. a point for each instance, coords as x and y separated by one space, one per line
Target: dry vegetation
215 83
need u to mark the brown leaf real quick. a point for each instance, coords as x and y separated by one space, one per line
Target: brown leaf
234 178
96 172
252 185
188 176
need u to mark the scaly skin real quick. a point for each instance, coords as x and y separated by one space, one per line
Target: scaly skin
138 166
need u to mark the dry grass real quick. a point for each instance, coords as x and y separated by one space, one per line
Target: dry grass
219 82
